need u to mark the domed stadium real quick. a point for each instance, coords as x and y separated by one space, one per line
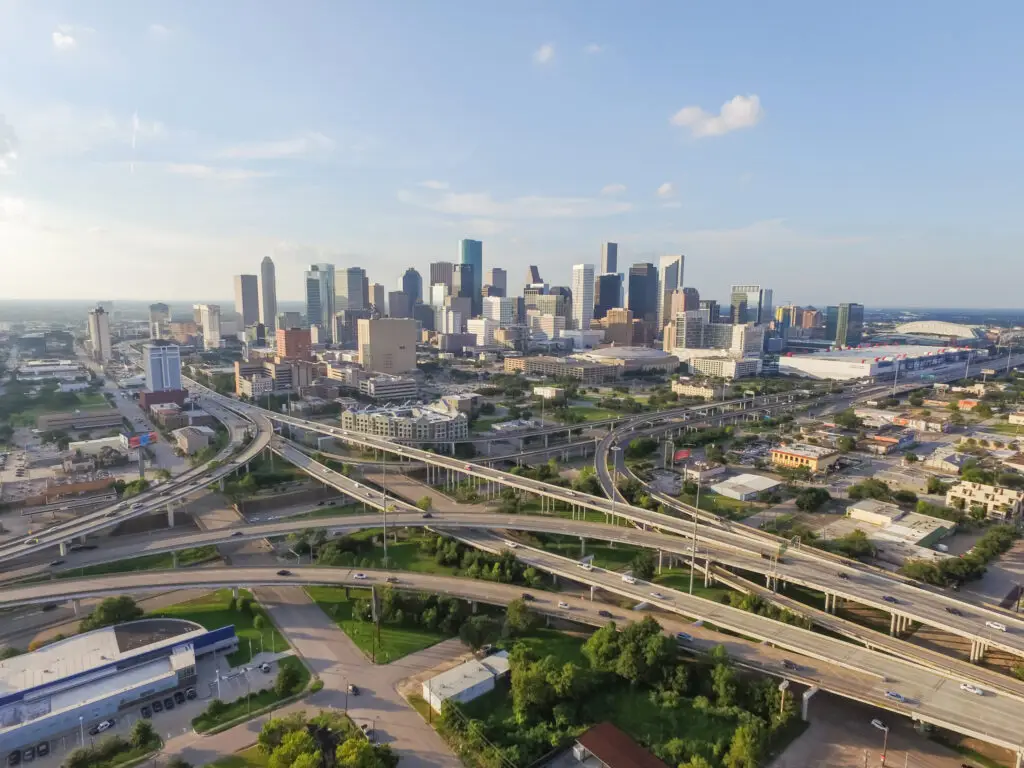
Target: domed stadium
940 329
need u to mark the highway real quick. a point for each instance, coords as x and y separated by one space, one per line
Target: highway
992 717
805 566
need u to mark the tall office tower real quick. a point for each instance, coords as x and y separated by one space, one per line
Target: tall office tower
268 294
619 324
346 322
159 318
497 278
461 305
670 277
438 293
351 292
99 335
531 292
811 318
583 295
162 362
686 331
849 324
209 319
609 258
758 302
294 343
463 282
738 310
424 315
441 272
320 301
501 309
533 275
388 345
643 292
472 252
691 299
197 315
247 298
377 298
447 320
286 320
366 292
710 310
608 293
483 328
399 304
557 302
412 285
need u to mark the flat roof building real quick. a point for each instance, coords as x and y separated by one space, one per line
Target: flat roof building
745 487
813 457
388 345
632 358
858 363
467 681
424 424
588 373
999 503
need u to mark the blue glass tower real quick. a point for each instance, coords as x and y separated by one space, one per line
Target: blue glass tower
472 252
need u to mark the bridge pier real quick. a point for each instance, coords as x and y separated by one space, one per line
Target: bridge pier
174 559
660 557
170 515
592 590
63 548
977 651
474 606
805 705
583 547
76 604
708 578
234 592
220 484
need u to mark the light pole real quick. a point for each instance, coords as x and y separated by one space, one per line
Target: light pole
384 486
693 548
885 739
615 477
81 729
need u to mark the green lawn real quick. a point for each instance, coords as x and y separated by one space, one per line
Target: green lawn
679 578
87 401
254 702
483 425
1005 428
394 642
163 561
247 758
212 612
722 506
326 511
648 723
605 556
549 642
595 414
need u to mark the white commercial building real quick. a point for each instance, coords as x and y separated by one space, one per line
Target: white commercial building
40 370
546 327
858 363
582 296
745 487
387 387
467 681
998 502
162 363
388 345
209 319
584 339
416 423
99 335
483 328
726 367
500 309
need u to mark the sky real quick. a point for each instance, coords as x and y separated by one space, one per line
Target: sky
864 152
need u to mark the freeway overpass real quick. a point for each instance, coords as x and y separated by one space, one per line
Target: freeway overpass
857 673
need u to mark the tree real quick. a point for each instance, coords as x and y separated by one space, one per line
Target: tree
177 762
936 486
288 678
143 734
113 610
747 746
519 618
293 745
425 503
602 648
259 622
357 752
478 631
911 458
811 499
643 566
275 729
847 419
846 444
723 682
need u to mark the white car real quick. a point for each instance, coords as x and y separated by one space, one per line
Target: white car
971 689
360 576
585 566
511 544
658 596
629 579
564 605
996 625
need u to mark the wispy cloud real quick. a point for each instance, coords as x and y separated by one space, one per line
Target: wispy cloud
159 31
63 41
213 173
545 54
613 189
666 190
594 48
432 184
308 143
738 112
8 147
482 205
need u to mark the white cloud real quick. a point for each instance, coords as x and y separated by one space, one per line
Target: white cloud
215 173
594 48
666 190
308 143
613 189
62 129
159 31
738 112
432 184
63 41
672 204
481 205
544 54
8 147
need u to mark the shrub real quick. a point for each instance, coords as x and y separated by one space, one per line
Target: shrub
233 604
287 680
259 622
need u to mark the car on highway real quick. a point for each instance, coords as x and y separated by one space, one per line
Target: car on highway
585 566
629 579
42 749
30 542
427 516
658 596
528 597
843 576
604 614
469 466
787 664
954 611
879 724
511 544
971 689
236 533
890 599
563 605
284 572
683 637
391 579
895 696
360 576
996 625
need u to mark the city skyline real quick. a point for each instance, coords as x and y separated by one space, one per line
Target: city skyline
118 148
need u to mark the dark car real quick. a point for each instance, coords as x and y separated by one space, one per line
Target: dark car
353 689
605 614
42 749
237 533
146 713
843 576
890 599
528 597
954 611
28 754
319 503
54 563
168 703
787 664
284 572
179 697
158 706
427 516
14 758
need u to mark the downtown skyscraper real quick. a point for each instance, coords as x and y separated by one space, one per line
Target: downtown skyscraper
472 252
268 295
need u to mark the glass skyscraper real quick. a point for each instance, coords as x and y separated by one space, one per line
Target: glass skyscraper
472 252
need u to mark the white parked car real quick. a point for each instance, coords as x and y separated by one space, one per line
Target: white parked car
996 625
971 689
585 566
511 544
658 596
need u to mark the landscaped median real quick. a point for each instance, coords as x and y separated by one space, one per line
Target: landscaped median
112 751
291 683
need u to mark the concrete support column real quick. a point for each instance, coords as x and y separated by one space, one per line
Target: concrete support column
660 559
63 548
583 547
174 559
220 484
234 592
708 578
474 606
1020 760
892 625
592 589
76 605
806 703
170 515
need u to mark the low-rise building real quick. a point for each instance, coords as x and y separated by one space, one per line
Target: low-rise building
192 439
387 387
1017 417
606 746
1014 462
745 487
946 461
896 535
999 503
910 478
882 444
284 375
726 367
467 681
686 388
587 373
462 402
815 458
556 394
414 424
93 418
702 471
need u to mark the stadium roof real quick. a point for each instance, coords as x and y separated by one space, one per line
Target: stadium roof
940 328
625 353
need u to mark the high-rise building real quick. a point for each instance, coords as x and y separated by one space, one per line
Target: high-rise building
438 293
399 304
758 303
388 345
464 282
607 294
441 272
738 307
497 278
501 309
531 292
346 322
643 292
710 310
99 335
844 324
557 304
287 320
161 361
378 295
691 299
320 297
447 320
583 296
463 306
294 343
159 318
209 319
424 315
533 275
412 285
670 278
483 328
472 252
811 318
352 291
247 298
609 258
619 324
268 294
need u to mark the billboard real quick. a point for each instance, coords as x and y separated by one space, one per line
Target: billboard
682 453
142 439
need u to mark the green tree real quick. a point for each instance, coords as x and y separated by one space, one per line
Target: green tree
113 610
478 631
519 618
259 622
847 419
723 683
911 458
425 503
643 566
293 745
143 734
177 762
747 745
811 499
846 444
357 752
602 648
275 729
288 679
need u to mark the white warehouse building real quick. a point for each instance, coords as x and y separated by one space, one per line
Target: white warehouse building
863 362
467 681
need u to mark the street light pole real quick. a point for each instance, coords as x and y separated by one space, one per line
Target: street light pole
693 547
615 477
384 476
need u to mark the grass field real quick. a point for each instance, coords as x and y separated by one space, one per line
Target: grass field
326 511
679 578
247 758
212 612
605 556
394 643
163 561
1005 428
86 401
722 506
595 414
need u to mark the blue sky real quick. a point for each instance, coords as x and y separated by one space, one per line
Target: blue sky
860 152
